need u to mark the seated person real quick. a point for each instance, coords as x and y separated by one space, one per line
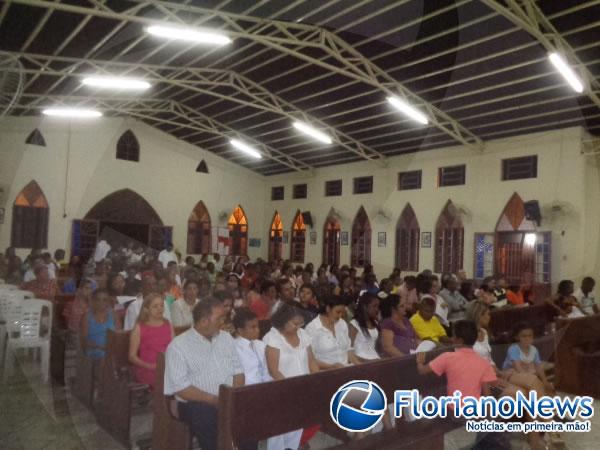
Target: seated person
149 337
499 288
227 301
307 302
197 362
133 282
564 303
398 336
486 291
95 325
524 364
329 335
181 311
41 286
149 285
250 348
453 298
427 325
472 382
522 295
262 305
364 328
585 296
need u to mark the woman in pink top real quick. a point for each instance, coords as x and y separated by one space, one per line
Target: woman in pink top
150 336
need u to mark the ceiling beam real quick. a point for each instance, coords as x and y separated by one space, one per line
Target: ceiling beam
182 116
528 15
295 39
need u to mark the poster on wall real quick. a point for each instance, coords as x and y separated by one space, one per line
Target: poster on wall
344 238
313 238
1 215
254 242
426 239
220 240
381 239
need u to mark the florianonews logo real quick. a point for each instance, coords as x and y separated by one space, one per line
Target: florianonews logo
358 405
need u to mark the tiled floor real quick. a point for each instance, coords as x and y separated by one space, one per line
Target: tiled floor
36 416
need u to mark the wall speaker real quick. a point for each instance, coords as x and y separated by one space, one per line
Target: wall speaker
532 211
307 218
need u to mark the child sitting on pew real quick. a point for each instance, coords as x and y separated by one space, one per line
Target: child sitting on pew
426 325
150 336
249 347
524 364
96 323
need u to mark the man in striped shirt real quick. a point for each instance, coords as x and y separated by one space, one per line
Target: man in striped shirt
197 363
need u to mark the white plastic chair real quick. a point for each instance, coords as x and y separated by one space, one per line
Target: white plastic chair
9 287
10 315
28 334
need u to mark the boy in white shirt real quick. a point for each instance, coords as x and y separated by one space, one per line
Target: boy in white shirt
251 351
585 296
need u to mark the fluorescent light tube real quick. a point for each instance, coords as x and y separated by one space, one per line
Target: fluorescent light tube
405 108
123 83
71 112
241 146
188 34
567 73
312 132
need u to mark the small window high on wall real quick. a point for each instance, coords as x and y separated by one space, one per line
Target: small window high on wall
452 175
298 240
30 218
519 168
238 232
128 147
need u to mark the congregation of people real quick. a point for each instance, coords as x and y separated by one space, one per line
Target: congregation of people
249 322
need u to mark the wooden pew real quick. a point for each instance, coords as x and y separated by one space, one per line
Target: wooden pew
84 385
570 372
503 320
116 388
168 432
256 412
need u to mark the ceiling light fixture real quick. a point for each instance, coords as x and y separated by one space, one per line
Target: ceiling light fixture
568 74
79 113
188 34
243 147
312 132
121 83
405 108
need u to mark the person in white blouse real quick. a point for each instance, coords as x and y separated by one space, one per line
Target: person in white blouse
330 337
364 328
181 310
249 347
288 353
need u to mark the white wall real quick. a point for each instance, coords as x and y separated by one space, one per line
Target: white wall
166 178
165 175
563 176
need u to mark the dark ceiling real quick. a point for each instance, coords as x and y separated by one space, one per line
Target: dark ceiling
460 56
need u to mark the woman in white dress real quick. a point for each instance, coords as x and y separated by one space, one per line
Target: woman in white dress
329 335
288 354
364 327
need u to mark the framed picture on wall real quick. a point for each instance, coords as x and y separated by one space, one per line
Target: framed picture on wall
285 237
1 215
254 242
344 238
426 239
313 238
381 238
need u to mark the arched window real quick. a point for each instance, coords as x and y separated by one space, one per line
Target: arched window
198 240
275 238
128 147
361 239
238 232
449 241
331 241
30 218
298 239
407 240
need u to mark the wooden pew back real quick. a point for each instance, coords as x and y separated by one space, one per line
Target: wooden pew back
258 411
572 333
503 320
168 433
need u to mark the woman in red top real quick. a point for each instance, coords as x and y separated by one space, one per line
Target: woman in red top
150 336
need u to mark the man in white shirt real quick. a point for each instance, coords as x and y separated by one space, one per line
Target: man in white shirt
167 255
197 362
102 249
585 296
134 308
